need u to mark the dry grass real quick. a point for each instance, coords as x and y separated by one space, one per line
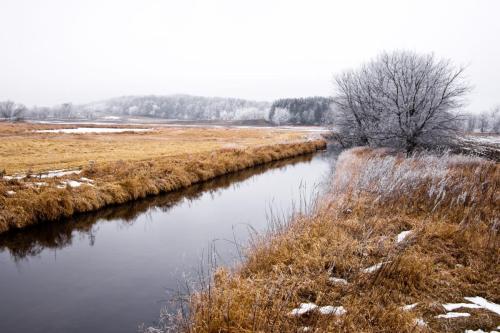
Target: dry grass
127 166
450 204
24 150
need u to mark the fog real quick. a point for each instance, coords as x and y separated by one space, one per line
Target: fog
57 51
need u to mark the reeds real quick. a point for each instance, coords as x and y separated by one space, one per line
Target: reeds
448 203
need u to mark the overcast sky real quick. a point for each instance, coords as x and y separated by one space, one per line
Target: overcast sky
55 51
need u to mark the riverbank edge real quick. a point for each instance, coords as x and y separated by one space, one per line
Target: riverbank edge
120 182
368 259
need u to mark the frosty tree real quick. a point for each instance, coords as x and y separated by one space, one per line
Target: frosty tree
12 111
401 99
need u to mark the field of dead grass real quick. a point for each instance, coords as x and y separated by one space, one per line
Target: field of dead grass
23 149
120 167
395 245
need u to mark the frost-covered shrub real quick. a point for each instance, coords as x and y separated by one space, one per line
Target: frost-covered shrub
424 180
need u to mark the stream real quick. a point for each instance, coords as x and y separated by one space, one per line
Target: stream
111 270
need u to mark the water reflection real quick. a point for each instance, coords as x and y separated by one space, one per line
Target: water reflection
33 240
109 271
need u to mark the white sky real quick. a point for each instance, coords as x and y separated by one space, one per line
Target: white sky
55 51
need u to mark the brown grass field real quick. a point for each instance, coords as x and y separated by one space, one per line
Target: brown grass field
450 206
120 167
22 149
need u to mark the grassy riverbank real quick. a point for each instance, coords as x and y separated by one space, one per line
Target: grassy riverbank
120 167
394 242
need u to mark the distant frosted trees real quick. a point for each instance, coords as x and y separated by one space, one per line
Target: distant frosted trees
400 99
304 111
484 122
12 111
280 116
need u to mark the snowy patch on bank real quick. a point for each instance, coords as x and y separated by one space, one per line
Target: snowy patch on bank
324 310
338 281
74 183
332 310
483 303
490 139
94 130
454 306
409 307
450 315
303 309
373 268
47 174
402 236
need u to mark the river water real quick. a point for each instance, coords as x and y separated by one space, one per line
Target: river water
111 270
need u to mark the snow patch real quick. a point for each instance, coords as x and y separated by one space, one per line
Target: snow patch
409 307
454 306
450 315
10 193
373 268
332 310
402 236
303 309
420 322
94 130
493 307
335 280
72 184
47 174
59 173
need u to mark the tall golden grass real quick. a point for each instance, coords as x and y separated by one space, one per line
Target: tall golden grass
121 181
450 203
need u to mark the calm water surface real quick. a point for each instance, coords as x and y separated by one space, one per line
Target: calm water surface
112 270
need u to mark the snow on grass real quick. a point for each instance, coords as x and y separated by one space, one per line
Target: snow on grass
10 193
324 310
47 174
338 281
402 236
491 139
481 331
59 173
420 322
493 307
332 310
454 306
373 268
450 315
93 130
409 307
303 309
86 180
72 184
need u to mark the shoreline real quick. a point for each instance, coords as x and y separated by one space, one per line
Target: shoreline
105 184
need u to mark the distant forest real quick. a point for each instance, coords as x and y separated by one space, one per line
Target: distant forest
306 111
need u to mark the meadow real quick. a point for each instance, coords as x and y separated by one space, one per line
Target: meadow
396 245
51 175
